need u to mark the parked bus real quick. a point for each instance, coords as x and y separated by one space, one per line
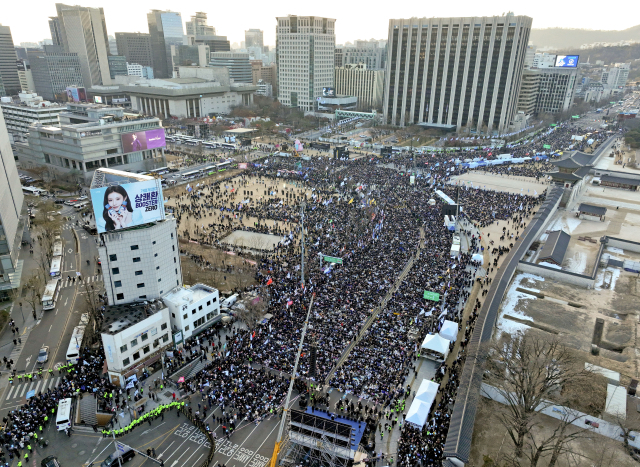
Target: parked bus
55 266
222 166
210 170
50 295
73 352
228 146
30 190
80 206
57 248
63 417
192 174
210 145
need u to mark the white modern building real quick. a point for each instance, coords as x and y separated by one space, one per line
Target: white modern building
305 59
192 309
264 89
455 73
31 108
11 223
615 76
556 89
237 63
88 138
360 81
134 336
135 69
544 60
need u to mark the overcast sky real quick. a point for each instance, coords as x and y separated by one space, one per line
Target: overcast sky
355 19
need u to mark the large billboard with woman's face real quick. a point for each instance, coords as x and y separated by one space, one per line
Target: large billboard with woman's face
123 206
141 140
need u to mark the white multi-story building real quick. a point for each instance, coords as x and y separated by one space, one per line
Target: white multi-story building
305 57
615 76
134 336
135 69
544 60
141 264
264 89
455 72
31 109
193 309
365 84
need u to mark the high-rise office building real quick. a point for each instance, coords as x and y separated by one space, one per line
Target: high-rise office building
117 66
253 38
305 59
556 89
25 76
136 46
615 76
237 63
371 55
83 31
455 72
8 69
11 199
165 29
53 70
367 85
198 26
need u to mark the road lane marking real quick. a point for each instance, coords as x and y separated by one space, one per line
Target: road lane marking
186 439
9 393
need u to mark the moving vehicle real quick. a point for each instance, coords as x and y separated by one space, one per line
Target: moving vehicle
230 301
160 171
63 417
29 190
55 266
81 205
50 295
57 248
50 461
73 351
43 355
125 455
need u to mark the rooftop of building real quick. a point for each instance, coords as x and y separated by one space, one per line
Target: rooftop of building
107 177
195 293
117 318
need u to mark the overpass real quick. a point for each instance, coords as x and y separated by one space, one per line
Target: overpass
341 114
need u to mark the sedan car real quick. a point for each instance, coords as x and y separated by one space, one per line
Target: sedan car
43 355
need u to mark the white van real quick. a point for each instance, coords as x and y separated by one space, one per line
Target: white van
229 302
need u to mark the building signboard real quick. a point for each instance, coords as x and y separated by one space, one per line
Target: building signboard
142 140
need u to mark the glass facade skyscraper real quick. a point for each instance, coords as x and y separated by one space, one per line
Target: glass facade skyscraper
165 28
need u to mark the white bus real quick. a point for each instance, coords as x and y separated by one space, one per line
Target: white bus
210 145
63 417
228 146
73 351
50 295
81 205
222 166
160 171
57 248
192 174
30 190
55 266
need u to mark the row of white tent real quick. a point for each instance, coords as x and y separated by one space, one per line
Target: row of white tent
437 345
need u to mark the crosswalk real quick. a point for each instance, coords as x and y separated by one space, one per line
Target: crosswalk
66 282
19 390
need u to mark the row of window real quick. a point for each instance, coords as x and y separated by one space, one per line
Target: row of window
145 350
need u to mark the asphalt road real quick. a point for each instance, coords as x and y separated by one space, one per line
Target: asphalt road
54 328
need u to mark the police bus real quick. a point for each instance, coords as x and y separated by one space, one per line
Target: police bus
75 344
57 248
50 295
55 266
222 166
63 417
192 174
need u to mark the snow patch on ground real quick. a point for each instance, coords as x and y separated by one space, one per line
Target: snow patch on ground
615 275
543 237
613 249
511 301
568 225
550 265
578 263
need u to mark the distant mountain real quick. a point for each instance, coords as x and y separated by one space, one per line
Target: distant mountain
561 38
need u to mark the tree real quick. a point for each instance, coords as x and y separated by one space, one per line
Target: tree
33 293
531 373
93 304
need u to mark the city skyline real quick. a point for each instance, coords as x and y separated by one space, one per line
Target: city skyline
351 24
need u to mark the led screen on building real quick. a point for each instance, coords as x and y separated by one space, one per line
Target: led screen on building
328 92
141 140
122 206
567 61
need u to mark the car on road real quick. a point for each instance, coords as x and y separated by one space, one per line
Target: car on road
126 455
43 355
49 461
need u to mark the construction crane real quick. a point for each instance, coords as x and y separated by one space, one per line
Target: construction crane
283 420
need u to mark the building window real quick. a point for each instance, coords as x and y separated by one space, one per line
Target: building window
174 247
123 348
176 270
186 328
157 267
193 312
164 326
184 316
156 343
136 260
209 303
113 257
134 342
173 315
138 273
153 243
155 255
142 296
118 283
165 338
144 337
134 247
171 235
140 285
146 349
200 308
120 296
126 361
115 270
136 356
159 280
174 260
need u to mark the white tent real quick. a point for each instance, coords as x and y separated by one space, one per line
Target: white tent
478 257
449 330
427 391
421 405
435 347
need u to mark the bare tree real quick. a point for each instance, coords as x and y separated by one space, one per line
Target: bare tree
33 292
530 373
93 304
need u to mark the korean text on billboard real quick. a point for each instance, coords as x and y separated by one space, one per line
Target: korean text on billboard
127 205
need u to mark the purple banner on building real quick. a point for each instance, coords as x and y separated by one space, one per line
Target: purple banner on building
141 140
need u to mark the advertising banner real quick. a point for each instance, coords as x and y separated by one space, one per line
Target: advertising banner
567 61
127 205
141 140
